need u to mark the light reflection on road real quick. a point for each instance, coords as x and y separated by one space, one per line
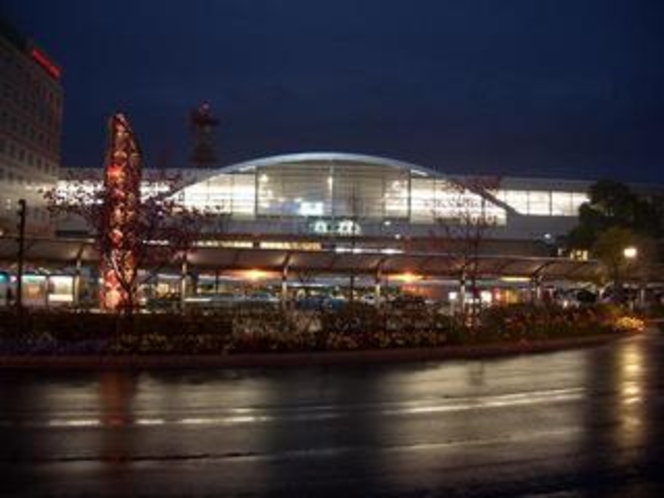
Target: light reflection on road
392 427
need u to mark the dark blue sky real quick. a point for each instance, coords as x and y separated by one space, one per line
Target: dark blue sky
553 88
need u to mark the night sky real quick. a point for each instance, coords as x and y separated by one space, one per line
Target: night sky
548 88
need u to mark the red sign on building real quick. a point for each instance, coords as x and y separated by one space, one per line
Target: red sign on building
46 64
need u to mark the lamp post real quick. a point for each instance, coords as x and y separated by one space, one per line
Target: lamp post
22 208
630 253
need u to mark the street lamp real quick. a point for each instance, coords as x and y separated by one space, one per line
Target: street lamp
630 252
22 211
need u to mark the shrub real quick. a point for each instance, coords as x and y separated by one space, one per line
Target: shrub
356 326
629 324
524 322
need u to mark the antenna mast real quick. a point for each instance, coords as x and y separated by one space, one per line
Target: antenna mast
203 123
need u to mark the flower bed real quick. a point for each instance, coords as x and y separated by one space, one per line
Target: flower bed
273 330
527 322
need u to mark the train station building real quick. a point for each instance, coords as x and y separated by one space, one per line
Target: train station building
291 223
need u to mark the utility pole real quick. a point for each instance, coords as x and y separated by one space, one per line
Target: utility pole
22 207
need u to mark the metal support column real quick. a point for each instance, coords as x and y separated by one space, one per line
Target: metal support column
183 281
536 289
76 290
462 292
284 281
284 287
641 297
378 288
378 283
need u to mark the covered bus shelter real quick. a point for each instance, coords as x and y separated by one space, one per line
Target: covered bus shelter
74 255
55 253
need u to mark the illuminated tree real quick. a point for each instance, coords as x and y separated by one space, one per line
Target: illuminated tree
120 226
133 229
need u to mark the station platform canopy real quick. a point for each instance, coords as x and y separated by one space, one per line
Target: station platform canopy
54 253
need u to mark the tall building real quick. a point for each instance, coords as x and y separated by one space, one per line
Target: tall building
31 98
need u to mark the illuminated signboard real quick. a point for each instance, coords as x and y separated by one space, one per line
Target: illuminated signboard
338 227
40 58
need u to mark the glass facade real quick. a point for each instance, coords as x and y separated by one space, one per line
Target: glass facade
233 194
339 190
534 202
436 199
333 191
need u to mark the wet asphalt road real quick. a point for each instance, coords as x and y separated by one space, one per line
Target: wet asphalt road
576 423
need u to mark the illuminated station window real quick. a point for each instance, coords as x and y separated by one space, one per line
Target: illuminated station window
543 203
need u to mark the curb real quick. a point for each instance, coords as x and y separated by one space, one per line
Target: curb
322 358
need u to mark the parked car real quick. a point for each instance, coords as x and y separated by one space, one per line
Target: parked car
212 301
164 304
319 302
408 302
575 297
260 299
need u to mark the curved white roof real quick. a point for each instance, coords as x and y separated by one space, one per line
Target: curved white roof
340 157
322 157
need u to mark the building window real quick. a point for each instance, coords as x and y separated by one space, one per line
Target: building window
539 203
579 198
516 199
561 204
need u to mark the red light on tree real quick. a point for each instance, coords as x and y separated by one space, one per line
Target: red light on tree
122 182
132 231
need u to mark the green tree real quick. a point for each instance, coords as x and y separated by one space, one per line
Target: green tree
609 248
616 218
613 204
